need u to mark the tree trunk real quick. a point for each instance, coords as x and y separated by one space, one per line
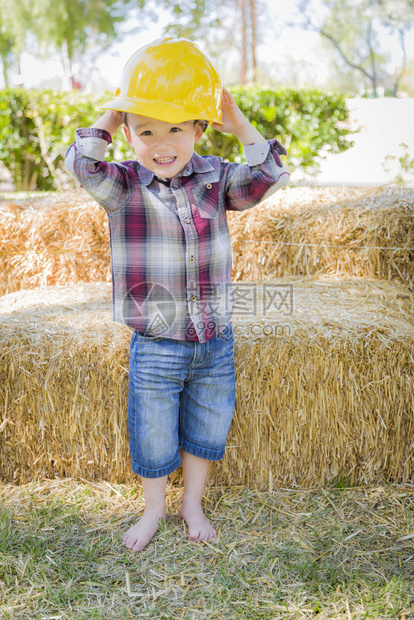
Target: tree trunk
5 71
373 63
253 41
243 66
29 176
45 151
400 72
67 64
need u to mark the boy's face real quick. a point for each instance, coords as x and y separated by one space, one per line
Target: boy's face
164 148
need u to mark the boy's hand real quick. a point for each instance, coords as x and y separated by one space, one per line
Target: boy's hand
110 121
233 121
232 116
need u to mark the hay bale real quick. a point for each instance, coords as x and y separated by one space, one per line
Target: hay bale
56 239
63 238
343 232
324 389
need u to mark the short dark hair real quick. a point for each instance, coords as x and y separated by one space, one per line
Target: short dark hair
205 124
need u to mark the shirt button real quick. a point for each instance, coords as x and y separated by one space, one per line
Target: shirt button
192 259
193 298
187 220
209 186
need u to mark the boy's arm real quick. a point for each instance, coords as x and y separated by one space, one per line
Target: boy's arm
108 183
248 184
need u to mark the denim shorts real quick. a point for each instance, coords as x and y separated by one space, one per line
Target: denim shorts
181 395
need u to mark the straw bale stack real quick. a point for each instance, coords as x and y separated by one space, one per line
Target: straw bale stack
56 239
342 232
325 386
64 239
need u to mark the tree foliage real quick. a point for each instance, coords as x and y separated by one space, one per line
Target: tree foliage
13 25
310 122
398 18
78 24
67 26
222 25
353 28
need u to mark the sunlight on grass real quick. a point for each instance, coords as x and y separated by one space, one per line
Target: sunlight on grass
333 553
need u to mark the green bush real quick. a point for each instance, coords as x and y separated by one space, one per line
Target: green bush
309 123
37 127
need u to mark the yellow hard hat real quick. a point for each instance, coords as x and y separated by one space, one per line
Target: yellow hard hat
171 80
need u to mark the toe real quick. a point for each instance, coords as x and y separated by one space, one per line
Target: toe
138 546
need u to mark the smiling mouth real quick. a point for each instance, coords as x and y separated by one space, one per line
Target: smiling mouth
164 160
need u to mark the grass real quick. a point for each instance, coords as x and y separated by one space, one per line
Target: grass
338 553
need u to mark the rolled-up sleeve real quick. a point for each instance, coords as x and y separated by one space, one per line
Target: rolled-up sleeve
262 176
108 183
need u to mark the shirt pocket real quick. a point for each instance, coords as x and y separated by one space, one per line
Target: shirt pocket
207 200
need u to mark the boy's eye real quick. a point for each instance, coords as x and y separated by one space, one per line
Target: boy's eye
146 133
175 129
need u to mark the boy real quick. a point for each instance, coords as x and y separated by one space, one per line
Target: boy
171 263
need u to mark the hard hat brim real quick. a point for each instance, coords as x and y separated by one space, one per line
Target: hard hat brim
161 111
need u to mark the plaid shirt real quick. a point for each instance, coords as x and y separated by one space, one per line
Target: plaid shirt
170 241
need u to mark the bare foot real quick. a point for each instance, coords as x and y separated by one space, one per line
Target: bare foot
199 527
139 535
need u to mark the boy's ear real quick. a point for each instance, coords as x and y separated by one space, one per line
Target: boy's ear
199 130
128 134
